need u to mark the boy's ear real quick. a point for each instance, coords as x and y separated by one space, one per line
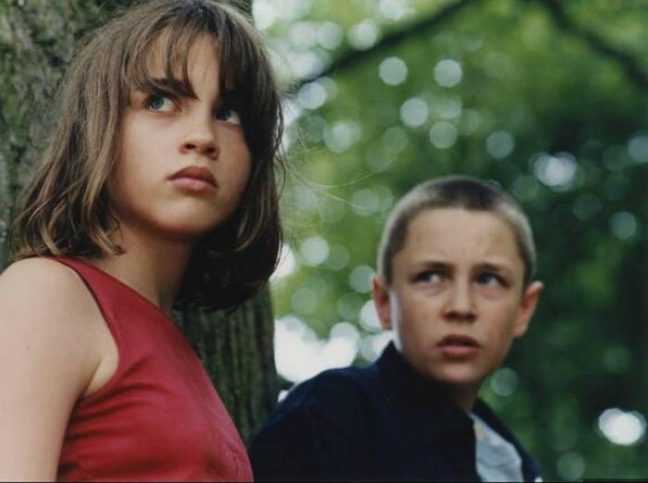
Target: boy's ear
527 307
380 292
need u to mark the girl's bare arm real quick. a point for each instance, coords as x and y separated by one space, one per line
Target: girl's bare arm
48 355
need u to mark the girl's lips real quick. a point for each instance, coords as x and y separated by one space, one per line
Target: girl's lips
194 178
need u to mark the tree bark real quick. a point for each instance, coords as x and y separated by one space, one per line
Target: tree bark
37 41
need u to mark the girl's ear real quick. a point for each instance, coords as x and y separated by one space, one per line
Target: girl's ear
380 292
527 307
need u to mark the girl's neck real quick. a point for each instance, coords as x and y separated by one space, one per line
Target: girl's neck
151 266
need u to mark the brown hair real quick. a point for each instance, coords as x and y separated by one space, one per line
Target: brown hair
455 192
65 209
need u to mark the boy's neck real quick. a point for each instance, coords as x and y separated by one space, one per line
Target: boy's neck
151 266
463 396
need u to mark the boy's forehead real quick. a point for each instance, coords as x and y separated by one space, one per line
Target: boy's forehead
457 233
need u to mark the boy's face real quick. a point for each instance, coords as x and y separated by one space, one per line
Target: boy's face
184 162
457 299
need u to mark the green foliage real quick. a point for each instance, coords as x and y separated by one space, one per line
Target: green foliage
551 104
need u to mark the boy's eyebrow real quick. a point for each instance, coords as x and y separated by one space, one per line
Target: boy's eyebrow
493 267
442 265
168 84
428 264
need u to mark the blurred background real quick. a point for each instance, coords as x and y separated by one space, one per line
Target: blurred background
548 99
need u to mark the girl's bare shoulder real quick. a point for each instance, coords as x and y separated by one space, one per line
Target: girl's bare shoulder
43 288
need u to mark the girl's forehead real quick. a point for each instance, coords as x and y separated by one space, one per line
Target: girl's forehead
170 60
166 55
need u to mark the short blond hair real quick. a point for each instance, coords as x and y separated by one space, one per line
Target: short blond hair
456 192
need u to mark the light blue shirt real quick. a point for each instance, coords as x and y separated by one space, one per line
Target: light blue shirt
497 459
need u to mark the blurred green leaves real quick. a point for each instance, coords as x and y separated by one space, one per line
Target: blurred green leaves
548 99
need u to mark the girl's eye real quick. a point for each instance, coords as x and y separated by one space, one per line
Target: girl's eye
490 280
227 114
160 103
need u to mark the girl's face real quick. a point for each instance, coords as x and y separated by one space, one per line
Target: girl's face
184 163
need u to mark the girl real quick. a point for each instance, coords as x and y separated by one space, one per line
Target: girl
157 191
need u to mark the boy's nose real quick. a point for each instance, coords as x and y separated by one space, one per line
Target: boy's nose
460 305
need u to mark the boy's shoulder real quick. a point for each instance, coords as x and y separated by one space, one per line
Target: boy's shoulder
332 390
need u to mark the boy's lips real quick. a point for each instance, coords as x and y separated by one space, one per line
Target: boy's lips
458 346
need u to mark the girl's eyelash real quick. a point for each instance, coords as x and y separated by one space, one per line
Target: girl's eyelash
153 94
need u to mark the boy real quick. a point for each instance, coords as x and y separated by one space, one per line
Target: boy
455 284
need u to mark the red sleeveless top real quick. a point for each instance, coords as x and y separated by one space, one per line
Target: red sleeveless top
159 417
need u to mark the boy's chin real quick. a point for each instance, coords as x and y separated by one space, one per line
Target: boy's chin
461 377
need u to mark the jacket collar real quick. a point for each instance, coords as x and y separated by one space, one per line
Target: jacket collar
403 385
435 415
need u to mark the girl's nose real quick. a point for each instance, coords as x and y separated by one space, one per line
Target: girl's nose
201 139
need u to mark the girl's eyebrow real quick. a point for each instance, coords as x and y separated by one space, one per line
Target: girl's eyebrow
168 84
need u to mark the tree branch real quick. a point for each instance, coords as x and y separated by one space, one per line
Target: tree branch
391 40
628 63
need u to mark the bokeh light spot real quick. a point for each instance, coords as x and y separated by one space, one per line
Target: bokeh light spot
312 95
300 354
623 225
623 428
363 35
443 135
287 264
448 73
395 139
392 71
360 278
504 382
303 35
414 112
556 171
394 9
314 250
338 258
525 188
365 202
448 107
330 35
369 317
570 466
342 135
638 148
371 346
500 144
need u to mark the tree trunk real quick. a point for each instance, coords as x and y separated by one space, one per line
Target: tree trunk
37 40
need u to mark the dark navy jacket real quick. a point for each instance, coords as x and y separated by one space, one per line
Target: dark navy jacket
382 422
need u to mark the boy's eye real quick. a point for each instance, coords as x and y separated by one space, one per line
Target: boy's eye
429 276
160 103
491 280
227 114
